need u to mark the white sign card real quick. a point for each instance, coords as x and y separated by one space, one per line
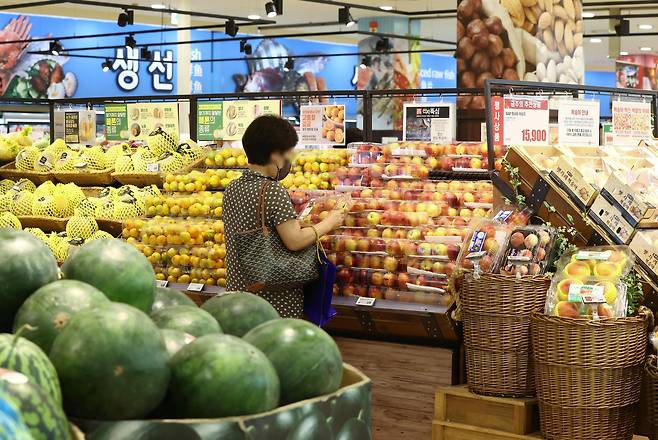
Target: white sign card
433 122
578 122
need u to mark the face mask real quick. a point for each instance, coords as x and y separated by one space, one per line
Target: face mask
282 172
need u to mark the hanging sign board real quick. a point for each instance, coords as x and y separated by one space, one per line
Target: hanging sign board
138 120
520 120
228 120
429 122
322 125
578 122
209 120
631 122
116 122
76 127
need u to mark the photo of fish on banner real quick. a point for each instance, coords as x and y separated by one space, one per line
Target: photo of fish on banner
282 74
25 69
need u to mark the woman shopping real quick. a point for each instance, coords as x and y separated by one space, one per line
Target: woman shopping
263 237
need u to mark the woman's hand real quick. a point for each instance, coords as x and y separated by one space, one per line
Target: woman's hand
297 238
334 219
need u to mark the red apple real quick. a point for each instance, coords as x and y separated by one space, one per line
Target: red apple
393 248
363 245
344 275
403 279
348 290
453 252
377 245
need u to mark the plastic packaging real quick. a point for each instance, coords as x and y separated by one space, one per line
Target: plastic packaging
588 283
317 209
483 247
528 251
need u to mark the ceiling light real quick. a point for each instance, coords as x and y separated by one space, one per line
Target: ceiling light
386 8
158 6
344 17
253 17
55 47
365 62
130 41
588 15
270 9
245 47
290 64
382 45
107 64
623 52
645 49
645 27
125 18
595 40
231 28
146 54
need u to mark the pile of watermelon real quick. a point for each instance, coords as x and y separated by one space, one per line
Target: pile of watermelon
97 340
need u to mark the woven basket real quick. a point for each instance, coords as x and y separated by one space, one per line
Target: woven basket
85 178
588 375
9 171
650 390
495 313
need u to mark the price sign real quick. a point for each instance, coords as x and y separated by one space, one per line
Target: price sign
578 122
433 122
209 117
76 127
195 287
520 120
116 122
161 283
365 301
631 122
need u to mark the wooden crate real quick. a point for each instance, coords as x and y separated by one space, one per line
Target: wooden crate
442 430
457 405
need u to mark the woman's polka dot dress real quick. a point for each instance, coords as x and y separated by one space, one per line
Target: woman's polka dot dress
239 213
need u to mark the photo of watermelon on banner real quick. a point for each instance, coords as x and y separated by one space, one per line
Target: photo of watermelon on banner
531 40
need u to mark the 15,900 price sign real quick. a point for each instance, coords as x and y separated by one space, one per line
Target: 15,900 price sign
525 120
534 135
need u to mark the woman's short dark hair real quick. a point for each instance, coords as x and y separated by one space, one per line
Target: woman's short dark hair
266 135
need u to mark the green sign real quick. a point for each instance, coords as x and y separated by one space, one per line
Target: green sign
116 122
209 120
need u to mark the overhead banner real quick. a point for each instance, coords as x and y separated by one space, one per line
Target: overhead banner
520 120
631 122
76 127
137 121
578 122
322 125
228 120
434 122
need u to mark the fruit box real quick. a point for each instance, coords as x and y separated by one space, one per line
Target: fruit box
611 219
344 414
635 207
570 176
645 247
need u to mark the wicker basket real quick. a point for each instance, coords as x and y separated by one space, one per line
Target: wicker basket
85 178
9 171
650 397
588 375
495 313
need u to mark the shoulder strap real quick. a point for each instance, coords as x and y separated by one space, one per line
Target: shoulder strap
260 210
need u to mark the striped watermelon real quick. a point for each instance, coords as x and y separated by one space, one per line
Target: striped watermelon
24 356
43 416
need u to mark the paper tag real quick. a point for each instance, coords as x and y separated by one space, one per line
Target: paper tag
518 258
587 293
365 301
161 283
502 215
153 167
195 287
593 255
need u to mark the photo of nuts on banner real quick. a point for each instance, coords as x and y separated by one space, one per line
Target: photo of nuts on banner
530 40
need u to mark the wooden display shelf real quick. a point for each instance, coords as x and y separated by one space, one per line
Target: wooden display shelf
455 431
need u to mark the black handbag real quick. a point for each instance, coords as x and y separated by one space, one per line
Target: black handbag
266 263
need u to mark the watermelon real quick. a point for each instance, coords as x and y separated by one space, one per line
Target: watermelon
276 425
188 319
166 297
11 422
353 429
42 415
48 310
26 264
112 363
117 269
239 312
24 356
175 340
306 358
220 376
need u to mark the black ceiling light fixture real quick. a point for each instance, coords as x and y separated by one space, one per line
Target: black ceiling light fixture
146 54
55 47
623 27
289 65
245 47
107 64
365 62
382 45
344 17
130 41
270 10
126 17
231 28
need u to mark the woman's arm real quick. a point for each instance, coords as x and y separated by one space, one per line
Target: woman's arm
296 238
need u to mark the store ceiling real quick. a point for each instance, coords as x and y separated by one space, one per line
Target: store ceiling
437 26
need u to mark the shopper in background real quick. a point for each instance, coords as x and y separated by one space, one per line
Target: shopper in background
269 142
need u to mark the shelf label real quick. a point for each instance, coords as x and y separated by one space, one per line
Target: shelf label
153 167
578 122
365 301
195 287
433 122
161 283
631 122
520 120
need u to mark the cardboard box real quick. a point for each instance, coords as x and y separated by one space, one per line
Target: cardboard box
645 247
633 206
343 414
571 180
610 218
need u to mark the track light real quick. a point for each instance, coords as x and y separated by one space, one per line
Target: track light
126 17
382 45
55 47
231 28
107 64
245 47
345 17
365 62
146 54
290 64
130 41
270 10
